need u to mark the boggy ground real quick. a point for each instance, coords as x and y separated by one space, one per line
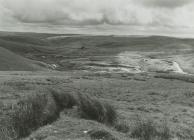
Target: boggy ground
163 99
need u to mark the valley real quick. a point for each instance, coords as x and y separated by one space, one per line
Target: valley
136 79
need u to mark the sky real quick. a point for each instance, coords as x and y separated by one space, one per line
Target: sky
122 17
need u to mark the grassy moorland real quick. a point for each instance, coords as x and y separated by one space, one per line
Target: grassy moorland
72 87
75 52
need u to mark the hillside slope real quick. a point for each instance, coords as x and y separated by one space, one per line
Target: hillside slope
65 52
11 61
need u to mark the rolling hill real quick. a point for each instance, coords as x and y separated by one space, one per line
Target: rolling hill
13 62
84 52
100 87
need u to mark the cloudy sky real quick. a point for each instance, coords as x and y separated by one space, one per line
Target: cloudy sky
161 17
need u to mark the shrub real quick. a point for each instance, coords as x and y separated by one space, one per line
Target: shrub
91 108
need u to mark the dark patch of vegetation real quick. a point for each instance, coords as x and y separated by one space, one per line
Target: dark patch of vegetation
182 77
94 109
33 112
144 130
29 114
88 107
102 135
148 130
39 109
164 132
122 126
7 131
64 100
187 135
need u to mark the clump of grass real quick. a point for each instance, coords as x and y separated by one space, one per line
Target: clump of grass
39 109
32 113
122 126
7 131
64 100
94 109
148 130
164 132
88 107
29 114
101 134
144 130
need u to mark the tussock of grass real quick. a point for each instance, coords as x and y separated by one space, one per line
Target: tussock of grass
33 112
64 100
145 130
122 126
7 131
29 114
40 109
164 132
91 108
148 130
88 107
100 134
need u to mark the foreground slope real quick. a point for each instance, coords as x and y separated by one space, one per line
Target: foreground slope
134 96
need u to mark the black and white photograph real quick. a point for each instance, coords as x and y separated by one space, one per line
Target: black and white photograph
96 69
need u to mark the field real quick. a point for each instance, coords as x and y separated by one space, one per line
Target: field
82 87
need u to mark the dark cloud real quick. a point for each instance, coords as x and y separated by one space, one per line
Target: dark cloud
165 3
